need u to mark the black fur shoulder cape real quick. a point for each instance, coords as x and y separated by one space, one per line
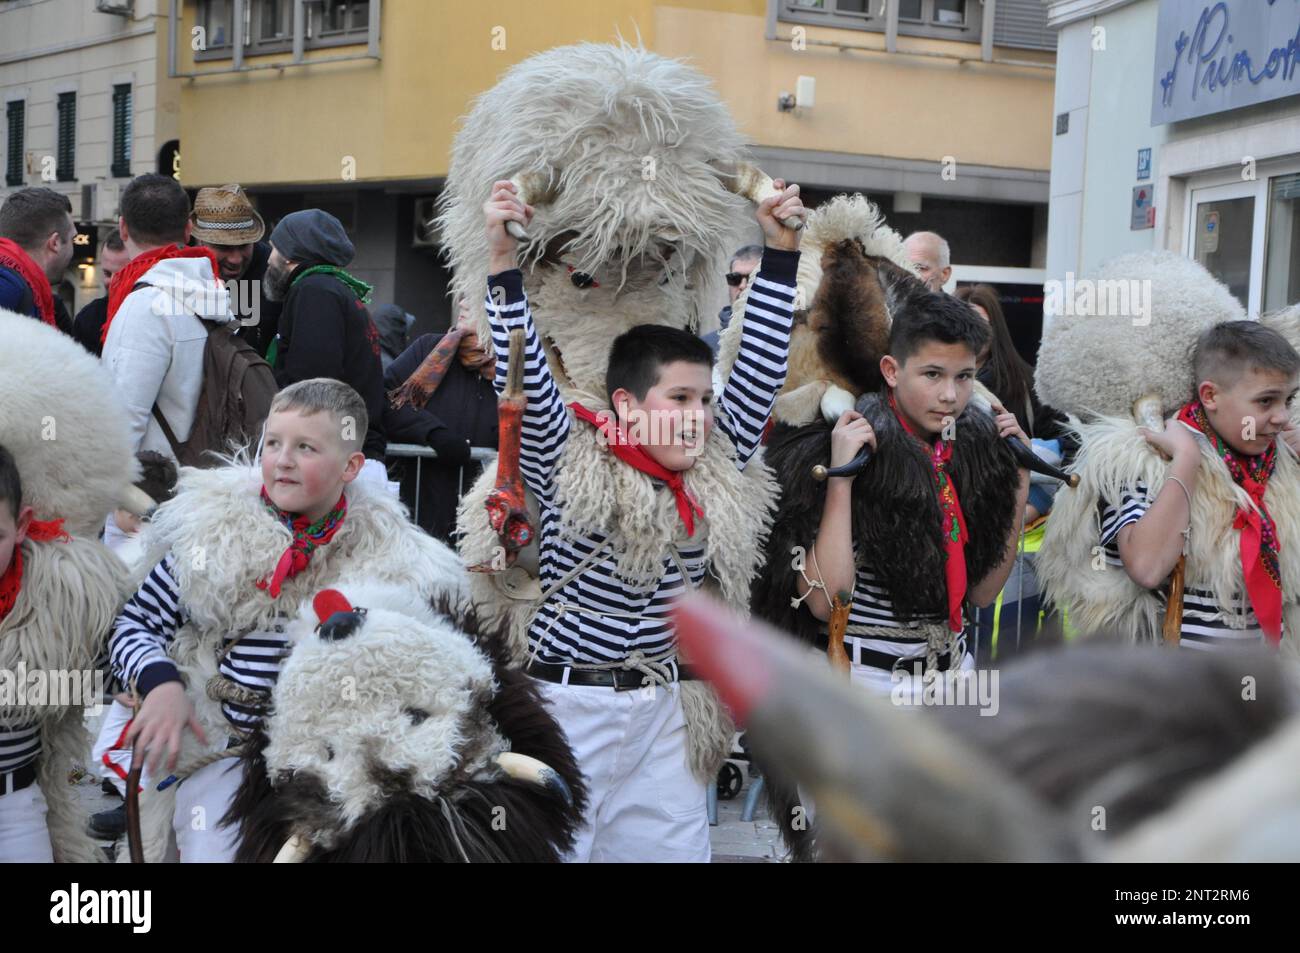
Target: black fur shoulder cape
897 520
411 829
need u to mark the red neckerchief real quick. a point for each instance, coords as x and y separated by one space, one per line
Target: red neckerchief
125 280
11 583
954 523
635 456
306 537
1259 544
13 256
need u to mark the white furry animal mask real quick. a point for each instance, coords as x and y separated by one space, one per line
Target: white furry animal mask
635 169
1129 331
65 426
395 735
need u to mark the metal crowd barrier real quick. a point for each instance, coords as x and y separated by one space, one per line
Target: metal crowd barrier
420 453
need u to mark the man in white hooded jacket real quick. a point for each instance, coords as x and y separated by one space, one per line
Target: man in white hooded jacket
155 336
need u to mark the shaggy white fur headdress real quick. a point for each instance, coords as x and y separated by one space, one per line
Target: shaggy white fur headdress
64 424
624 153
1127 331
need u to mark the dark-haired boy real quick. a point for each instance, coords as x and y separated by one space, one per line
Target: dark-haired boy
1223 445
604 617
928 526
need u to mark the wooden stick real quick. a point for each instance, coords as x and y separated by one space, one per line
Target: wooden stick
1173 627
134 841
841 605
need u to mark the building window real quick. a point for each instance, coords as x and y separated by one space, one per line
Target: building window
1282 261
121 167
15 116
268 25
66 157
940 19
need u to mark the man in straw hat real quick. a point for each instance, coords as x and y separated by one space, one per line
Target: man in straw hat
225 221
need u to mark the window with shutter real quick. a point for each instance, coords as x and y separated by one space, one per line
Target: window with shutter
122 131
1022 24
66 160
15 115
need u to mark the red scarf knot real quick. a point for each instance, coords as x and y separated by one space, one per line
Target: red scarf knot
307 537
954 522
11 583
125 280
1260 549
635 455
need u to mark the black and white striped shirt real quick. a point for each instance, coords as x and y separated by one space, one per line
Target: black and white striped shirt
1204 619
873 607
19 746
138 647
598 616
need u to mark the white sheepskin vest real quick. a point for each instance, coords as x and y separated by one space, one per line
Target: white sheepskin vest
1103 599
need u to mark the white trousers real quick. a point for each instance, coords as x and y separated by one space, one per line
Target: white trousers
24 836
111 727
905 687
645 804
202 800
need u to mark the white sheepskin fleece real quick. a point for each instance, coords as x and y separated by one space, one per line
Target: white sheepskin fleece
406 691
621 148
844 216
64 424
1103 599
1097 364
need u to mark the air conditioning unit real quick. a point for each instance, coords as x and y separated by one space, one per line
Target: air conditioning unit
425 233
118 8
99 201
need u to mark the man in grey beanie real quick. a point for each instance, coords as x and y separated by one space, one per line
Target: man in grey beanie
325 329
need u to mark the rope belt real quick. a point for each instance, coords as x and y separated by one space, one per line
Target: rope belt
942 645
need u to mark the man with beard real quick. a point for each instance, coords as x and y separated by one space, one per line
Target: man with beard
325 329
225 221
450 410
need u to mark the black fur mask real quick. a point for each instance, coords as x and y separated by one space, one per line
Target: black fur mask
897 520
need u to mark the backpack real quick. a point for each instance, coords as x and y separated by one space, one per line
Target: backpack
234 400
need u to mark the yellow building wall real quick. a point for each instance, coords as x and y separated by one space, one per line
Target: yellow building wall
394 119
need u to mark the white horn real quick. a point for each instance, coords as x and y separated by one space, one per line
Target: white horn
523 768
531 188
1146 411
749 181
294 851
136 501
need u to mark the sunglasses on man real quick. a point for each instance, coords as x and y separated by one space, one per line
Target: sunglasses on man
736 279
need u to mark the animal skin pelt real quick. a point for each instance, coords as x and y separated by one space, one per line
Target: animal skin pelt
483 816
897 521
71 594
223 540
1103 599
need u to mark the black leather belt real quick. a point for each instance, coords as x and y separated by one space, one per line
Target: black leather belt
17 779
908 666
619 679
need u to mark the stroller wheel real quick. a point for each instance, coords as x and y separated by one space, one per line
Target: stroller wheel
729 781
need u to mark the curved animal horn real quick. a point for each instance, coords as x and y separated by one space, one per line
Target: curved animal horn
1146 411
749 181
294 851
523 768
531 188
850 469
136 501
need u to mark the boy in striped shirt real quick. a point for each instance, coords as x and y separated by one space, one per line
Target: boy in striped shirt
603 624
244 551
1247 380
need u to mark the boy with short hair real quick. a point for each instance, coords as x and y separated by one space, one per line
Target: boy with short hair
929 524
1227 435
242 555
610 568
